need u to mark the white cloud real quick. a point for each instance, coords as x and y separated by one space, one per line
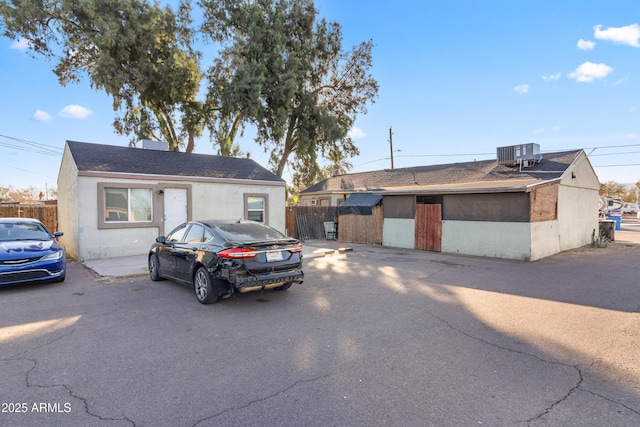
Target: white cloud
589 71
75 112
521 89
22 44
41 116
357 133
550 77
586 44
625 35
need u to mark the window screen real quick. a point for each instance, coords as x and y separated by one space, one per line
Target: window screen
399 206
505 207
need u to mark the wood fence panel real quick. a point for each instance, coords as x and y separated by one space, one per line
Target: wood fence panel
428 234
47 214
361 228
314 216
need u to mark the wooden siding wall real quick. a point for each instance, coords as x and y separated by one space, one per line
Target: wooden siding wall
361 228
320 214
47 214
544 203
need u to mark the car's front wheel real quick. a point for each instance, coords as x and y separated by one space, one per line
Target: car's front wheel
203 286
154 268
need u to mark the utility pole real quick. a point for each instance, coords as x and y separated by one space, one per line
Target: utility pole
391 145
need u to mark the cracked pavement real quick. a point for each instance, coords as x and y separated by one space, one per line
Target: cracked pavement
378 336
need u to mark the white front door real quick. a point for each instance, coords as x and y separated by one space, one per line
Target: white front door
175 208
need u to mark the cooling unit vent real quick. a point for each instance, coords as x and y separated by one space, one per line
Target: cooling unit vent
523 154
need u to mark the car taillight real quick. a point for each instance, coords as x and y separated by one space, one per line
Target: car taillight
296 248
235 253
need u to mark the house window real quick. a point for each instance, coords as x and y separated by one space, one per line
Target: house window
255 207
128 205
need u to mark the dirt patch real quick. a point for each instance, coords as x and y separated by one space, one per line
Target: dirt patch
611 247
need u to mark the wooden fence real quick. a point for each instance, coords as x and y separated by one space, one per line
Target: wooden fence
311 219
47 214
362 228
351 228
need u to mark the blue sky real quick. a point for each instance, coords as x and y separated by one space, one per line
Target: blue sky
457 79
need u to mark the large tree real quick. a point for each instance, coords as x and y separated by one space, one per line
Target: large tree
139 53
612 189
284 71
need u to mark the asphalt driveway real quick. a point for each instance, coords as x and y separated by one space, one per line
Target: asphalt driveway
375 336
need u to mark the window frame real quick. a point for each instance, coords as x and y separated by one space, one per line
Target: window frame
104 224
265 211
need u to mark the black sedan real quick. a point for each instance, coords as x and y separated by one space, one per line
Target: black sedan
29 252
218 258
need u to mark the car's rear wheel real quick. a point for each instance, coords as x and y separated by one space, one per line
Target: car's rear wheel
203 286
283 287
154 268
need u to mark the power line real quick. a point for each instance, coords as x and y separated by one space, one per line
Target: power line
548 151
35 147
28 171
616 166
615 154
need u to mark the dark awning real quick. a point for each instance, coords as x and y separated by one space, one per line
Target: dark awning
359 204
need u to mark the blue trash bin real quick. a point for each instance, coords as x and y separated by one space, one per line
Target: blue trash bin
617 219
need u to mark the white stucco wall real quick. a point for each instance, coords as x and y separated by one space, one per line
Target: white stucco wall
578 205
226 201
68 204
209 200
488 239
94 243
545 239
398 233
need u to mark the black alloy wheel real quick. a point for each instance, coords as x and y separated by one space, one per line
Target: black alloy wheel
203 286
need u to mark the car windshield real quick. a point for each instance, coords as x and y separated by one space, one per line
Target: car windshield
23 231
249 232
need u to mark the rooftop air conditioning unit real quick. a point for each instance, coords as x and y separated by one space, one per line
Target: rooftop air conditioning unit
523 154
147 144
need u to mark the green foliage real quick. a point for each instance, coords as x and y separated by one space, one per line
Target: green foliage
598 240
612 189
137 52
280 68
286 73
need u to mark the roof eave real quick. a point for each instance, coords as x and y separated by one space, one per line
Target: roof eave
180 178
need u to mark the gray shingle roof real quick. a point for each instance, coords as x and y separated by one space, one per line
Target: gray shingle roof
115 159
552 166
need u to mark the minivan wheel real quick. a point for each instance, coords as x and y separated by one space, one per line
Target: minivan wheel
203 286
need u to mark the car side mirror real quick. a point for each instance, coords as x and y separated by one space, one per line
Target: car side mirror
161 239
57 234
